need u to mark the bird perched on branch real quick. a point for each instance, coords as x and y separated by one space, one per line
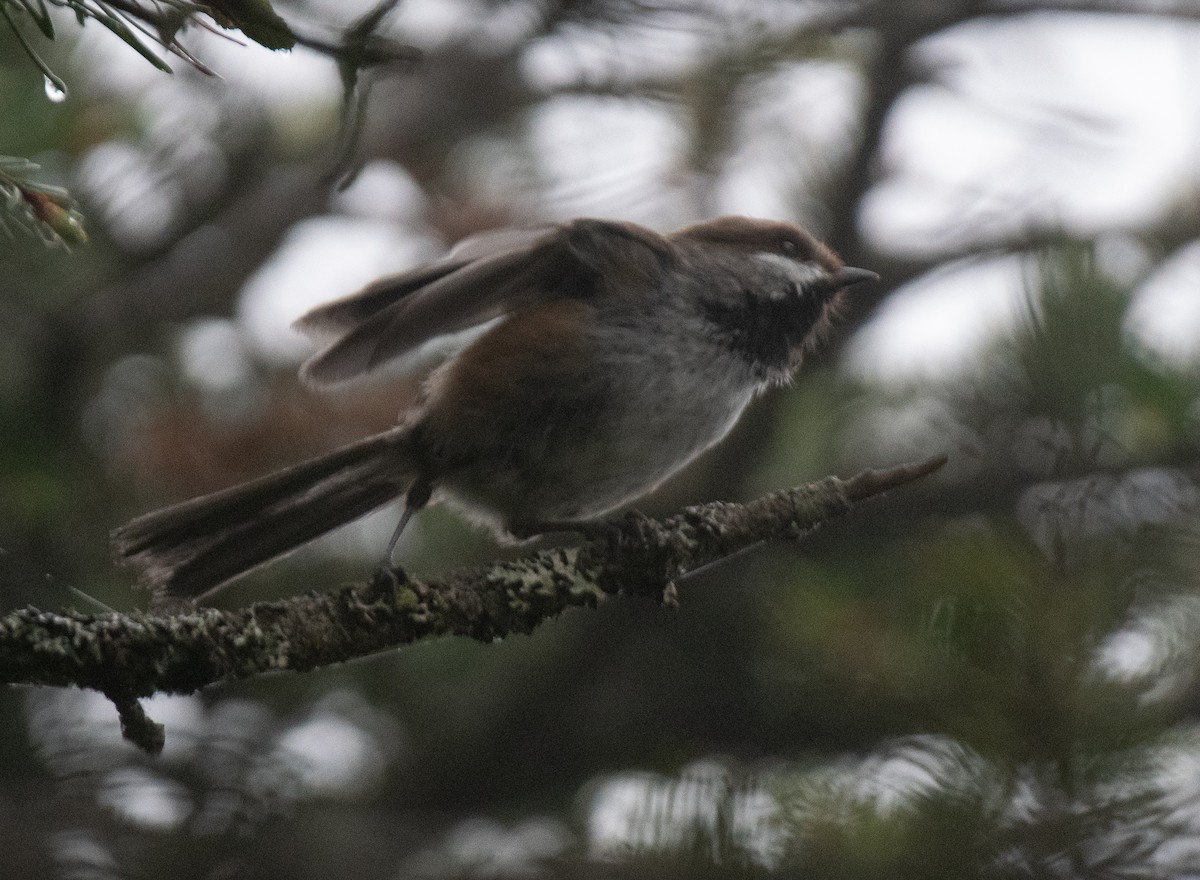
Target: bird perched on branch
611 357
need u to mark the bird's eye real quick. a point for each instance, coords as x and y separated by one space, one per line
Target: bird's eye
788 246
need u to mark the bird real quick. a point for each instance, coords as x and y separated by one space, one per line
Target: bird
601 357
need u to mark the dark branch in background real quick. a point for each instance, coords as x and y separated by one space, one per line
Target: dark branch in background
136 655
355 94
890 74
1182 9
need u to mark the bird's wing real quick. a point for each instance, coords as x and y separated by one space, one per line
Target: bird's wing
482 279
334 319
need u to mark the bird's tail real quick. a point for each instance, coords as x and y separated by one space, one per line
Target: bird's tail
190 548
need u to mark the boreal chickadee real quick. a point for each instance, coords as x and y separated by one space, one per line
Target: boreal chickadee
615 356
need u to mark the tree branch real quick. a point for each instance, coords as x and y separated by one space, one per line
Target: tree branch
128 656
1182 9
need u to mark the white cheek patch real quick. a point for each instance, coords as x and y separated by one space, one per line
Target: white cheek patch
800 274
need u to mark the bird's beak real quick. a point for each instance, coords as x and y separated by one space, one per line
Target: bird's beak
848 276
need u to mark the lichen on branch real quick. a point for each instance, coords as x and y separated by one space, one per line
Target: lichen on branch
129 656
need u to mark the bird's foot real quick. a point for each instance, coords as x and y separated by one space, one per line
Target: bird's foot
387 580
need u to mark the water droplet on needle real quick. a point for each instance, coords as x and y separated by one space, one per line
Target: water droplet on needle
56 92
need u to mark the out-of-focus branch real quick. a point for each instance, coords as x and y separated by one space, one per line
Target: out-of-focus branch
202 273
898 28
131 656
1185 9
1164 237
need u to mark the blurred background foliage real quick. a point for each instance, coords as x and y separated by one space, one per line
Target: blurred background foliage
993 674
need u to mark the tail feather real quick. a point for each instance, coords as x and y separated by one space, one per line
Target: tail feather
193 547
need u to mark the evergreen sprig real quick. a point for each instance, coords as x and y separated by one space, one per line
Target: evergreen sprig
46 211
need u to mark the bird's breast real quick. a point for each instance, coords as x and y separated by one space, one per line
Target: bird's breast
567 413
